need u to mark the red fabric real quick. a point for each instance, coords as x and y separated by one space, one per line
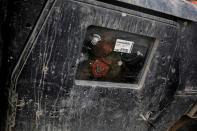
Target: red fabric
195 2
100 68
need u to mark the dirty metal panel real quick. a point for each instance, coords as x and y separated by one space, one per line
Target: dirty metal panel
178 8
49 99
188 63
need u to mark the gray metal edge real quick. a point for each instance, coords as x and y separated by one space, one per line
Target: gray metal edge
179 8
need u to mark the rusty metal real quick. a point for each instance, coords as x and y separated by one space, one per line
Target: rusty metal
192 113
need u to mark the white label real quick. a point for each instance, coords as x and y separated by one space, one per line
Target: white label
123 46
